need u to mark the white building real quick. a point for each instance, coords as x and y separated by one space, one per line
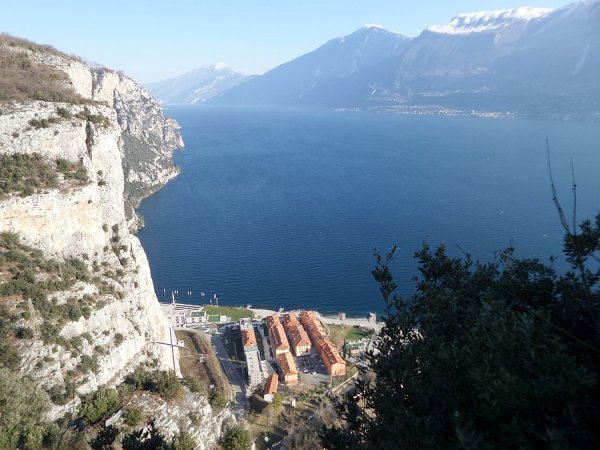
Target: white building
182 315
251 352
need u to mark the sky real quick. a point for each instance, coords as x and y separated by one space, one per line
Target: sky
153 40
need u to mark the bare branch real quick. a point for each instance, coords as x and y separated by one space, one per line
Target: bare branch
574 199
561 213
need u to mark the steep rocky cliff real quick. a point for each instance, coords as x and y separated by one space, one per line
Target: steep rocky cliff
149 137
77 298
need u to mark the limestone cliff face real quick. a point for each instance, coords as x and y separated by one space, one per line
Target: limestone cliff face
149 137
120 139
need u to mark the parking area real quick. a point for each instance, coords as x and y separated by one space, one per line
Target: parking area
312 369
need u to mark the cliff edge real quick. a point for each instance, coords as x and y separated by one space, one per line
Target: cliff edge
79 147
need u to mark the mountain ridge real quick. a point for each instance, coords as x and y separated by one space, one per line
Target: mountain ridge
197 85
523 61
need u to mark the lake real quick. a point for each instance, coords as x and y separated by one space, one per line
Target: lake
284 207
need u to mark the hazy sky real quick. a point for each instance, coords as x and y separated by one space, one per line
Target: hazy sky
152 40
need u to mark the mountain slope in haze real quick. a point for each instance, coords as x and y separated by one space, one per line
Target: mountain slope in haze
337 73
196 86
527 60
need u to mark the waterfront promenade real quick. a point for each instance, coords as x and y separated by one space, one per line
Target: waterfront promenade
329 320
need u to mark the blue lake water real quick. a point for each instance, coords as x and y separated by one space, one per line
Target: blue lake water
284 208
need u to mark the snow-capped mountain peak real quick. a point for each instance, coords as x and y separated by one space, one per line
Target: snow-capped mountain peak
479 22
220 66
372 25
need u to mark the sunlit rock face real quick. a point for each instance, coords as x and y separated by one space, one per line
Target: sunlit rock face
88 221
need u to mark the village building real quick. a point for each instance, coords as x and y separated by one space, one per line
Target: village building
251 352
355 348
289 371
332 359
297 335
182 315
279 341
336 366
270 388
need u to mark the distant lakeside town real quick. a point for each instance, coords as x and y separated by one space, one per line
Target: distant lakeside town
264 352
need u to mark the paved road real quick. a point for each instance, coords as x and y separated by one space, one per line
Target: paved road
232 372
351 322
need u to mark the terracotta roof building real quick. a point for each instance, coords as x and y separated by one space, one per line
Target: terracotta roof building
298 337
270 388
335 364
249 339
289 371
333 361
279 341
251 352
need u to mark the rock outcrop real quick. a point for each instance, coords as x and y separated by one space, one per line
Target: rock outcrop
118 137
149 137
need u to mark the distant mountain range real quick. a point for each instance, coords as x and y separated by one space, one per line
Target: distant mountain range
529 61
196 86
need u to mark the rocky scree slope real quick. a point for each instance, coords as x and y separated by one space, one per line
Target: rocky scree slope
77 303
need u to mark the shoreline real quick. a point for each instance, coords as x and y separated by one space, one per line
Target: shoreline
261 313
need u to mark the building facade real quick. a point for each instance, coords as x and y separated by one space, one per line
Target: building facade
182 315
251 352
335 364
289 371
298 338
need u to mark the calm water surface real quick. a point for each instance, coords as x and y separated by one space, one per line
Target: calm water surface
284 208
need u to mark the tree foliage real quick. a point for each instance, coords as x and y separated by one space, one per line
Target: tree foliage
496 355
236 438
105 438
184 441
148 438
98 404
22 407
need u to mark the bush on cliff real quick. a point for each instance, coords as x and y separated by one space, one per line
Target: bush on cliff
22 408
98 404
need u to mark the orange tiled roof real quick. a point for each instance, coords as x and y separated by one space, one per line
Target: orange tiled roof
280 341
298 335
271 386
272 321
287 364
248 337
329 351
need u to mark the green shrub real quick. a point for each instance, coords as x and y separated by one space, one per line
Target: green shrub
217 399
96 119
193 384
118 339
105 438
63 112
22 412
184 441
25 174
236 438
139 378
98 404
58 395
87 364
168 385
43 123
133 416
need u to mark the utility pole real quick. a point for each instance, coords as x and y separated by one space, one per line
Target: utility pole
170 344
